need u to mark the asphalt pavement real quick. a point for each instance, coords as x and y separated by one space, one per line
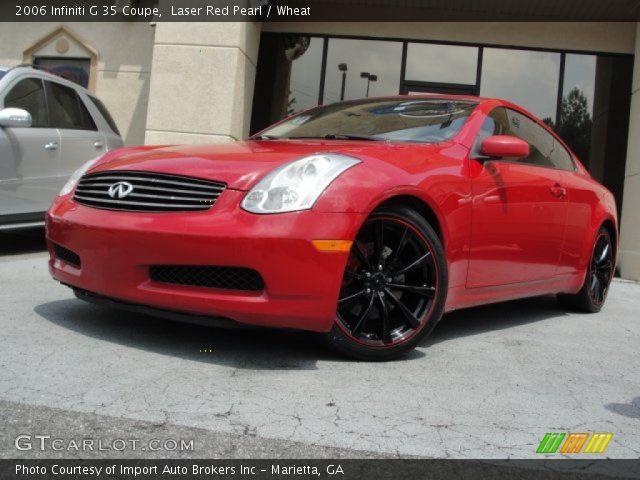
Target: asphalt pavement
488 383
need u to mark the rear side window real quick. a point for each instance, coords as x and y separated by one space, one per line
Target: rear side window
105 113
561 157
540 141
67 109
28 94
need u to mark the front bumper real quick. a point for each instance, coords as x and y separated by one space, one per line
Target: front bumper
117 249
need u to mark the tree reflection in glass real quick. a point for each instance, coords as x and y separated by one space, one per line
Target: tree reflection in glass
575 122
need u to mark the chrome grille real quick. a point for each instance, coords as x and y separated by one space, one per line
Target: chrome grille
149 192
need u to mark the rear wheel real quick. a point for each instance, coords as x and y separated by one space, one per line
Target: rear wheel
593 293
394 287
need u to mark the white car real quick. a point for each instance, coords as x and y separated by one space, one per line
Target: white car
49 127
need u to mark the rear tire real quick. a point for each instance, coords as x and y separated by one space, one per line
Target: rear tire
592 295
394 287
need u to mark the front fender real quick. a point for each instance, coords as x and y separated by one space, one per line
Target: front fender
444 189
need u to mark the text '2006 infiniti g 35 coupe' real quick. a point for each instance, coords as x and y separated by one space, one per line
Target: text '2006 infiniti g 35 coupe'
364 220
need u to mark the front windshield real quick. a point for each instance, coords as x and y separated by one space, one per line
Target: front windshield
2 72
405 120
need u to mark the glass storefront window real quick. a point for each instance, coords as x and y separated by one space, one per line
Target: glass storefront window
304 88
441 63
576 111
580 73
527 78
379 60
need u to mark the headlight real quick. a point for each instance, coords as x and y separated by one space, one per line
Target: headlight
296 185
73 179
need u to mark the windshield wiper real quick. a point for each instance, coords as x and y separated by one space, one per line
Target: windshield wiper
265 137
342 136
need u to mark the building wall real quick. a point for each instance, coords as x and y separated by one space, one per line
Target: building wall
202 82
123 68
629 225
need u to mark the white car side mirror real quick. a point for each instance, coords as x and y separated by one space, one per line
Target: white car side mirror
15 117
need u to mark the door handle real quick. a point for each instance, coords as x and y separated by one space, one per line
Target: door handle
558 191
51 146
98 144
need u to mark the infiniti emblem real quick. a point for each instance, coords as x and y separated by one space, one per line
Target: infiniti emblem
120 189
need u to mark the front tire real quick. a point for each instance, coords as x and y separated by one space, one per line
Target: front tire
593 293
394 287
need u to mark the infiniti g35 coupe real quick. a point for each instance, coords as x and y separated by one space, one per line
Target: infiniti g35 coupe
364 220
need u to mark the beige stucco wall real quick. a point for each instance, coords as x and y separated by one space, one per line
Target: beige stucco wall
202 82
629 225
616 37
123 70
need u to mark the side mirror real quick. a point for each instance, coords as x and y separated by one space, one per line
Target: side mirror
15 117
501 146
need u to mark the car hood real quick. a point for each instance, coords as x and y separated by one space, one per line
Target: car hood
238 164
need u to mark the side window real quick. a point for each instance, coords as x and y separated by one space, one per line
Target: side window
561 158
540 141
67 109
545 150
496 123
28 94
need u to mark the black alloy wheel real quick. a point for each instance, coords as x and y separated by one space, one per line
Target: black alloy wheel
595 288
393 287
601 269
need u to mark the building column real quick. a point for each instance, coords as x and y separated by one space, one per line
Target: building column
202 79
629 222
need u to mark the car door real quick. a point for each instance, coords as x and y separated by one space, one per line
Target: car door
519 211
581 201
29 157
80 139
104 120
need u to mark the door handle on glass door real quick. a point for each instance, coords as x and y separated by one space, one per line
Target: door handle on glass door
558 191
51 146
98 144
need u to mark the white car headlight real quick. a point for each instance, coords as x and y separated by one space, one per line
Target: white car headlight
75 177
296 185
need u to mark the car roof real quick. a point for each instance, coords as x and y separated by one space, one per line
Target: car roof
430 96
35 71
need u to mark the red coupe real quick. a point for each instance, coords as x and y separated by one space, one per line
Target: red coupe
364 220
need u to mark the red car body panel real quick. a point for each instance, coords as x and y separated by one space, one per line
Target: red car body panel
509 230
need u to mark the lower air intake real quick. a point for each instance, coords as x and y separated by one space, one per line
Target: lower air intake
228 278
66 255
